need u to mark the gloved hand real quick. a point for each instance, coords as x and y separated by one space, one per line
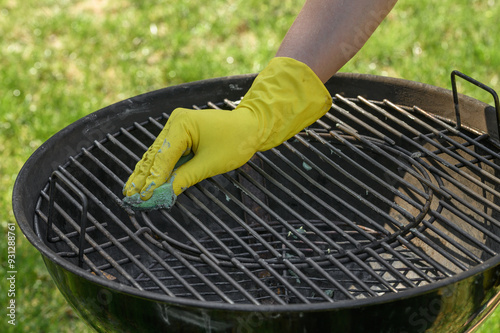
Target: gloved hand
284 98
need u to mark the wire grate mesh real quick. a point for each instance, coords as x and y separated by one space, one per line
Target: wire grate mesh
373 198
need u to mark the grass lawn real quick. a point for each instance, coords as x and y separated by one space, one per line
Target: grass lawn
62 59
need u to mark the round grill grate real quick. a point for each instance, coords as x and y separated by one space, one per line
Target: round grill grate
373 198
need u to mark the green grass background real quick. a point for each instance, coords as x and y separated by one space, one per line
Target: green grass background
61 59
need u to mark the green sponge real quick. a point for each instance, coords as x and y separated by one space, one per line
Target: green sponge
163 196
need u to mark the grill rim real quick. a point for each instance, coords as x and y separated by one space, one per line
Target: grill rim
237 85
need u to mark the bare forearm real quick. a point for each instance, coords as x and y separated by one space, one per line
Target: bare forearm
328 33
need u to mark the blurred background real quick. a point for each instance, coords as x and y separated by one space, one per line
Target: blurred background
61 60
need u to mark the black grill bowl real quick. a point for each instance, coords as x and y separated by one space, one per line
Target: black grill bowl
462 262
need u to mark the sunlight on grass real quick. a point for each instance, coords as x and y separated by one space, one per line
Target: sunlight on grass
61 60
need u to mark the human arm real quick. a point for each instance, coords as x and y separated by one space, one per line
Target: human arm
328 33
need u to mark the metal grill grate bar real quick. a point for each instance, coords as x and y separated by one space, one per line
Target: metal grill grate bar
95 245
429 260
339 200
144 246
131 234
364 170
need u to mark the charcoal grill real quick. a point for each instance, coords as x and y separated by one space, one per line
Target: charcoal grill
381 216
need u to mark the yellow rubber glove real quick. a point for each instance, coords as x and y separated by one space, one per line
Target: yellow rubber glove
285 97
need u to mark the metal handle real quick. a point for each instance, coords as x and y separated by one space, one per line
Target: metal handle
57 175
478 84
